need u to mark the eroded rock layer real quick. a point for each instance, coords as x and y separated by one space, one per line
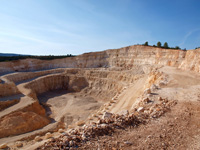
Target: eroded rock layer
24 120
89 85
125 57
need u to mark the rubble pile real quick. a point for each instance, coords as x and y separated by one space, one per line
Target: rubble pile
109 123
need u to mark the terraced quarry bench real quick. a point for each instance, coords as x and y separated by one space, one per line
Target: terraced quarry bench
70 93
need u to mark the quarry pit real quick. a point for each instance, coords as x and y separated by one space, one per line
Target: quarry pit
40 98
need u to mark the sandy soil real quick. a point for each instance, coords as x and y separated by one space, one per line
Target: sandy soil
178 129
128 97
72 106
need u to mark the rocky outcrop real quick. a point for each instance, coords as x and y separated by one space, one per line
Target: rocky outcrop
53 82
6 104
191 61
126 58
18 77
43 84
104 84
76 83
8 89
23 120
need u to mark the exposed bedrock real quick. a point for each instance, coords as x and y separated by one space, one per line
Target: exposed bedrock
8 86
125 57
101 84
19 77
99 75
23 120
8 103
104 84
8 89
53 82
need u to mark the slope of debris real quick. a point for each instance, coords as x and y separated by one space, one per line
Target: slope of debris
109 124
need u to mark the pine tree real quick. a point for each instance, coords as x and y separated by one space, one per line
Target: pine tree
177 47
159 44
166 45
146 44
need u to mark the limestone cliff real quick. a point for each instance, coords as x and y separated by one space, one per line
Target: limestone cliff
125 57
103 75
24 120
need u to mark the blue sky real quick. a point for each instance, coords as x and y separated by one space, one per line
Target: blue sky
59 27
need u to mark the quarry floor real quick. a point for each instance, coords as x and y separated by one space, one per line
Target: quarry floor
71 106
177 129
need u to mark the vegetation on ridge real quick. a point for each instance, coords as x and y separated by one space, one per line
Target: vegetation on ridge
50 57
159 44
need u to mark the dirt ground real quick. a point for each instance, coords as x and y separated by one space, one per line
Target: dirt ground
178 129
72 106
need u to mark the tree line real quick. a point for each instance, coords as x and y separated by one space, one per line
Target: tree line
165 45
50 57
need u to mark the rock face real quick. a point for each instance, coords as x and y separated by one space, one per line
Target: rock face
8 85
6 104
22 121
191 61
125 57
53 82
8 89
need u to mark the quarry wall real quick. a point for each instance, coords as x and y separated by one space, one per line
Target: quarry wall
23 120
22 76
125 57
191 61
103 83
81 76
8 89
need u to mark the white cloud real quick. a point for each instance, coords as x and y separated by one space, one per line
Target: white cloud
187 36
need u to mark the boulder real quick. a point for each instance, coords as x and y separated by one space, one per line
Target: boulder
146 100
38 138
107 115
48 135
19 144
60 130
3 146
140 109
124 112
153 87
147 91
80 123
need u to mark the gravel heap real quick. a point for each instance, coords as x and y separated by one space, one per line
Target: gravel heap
145 111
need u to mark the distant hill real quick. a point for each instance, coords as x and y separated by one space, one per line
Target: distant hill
11 54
